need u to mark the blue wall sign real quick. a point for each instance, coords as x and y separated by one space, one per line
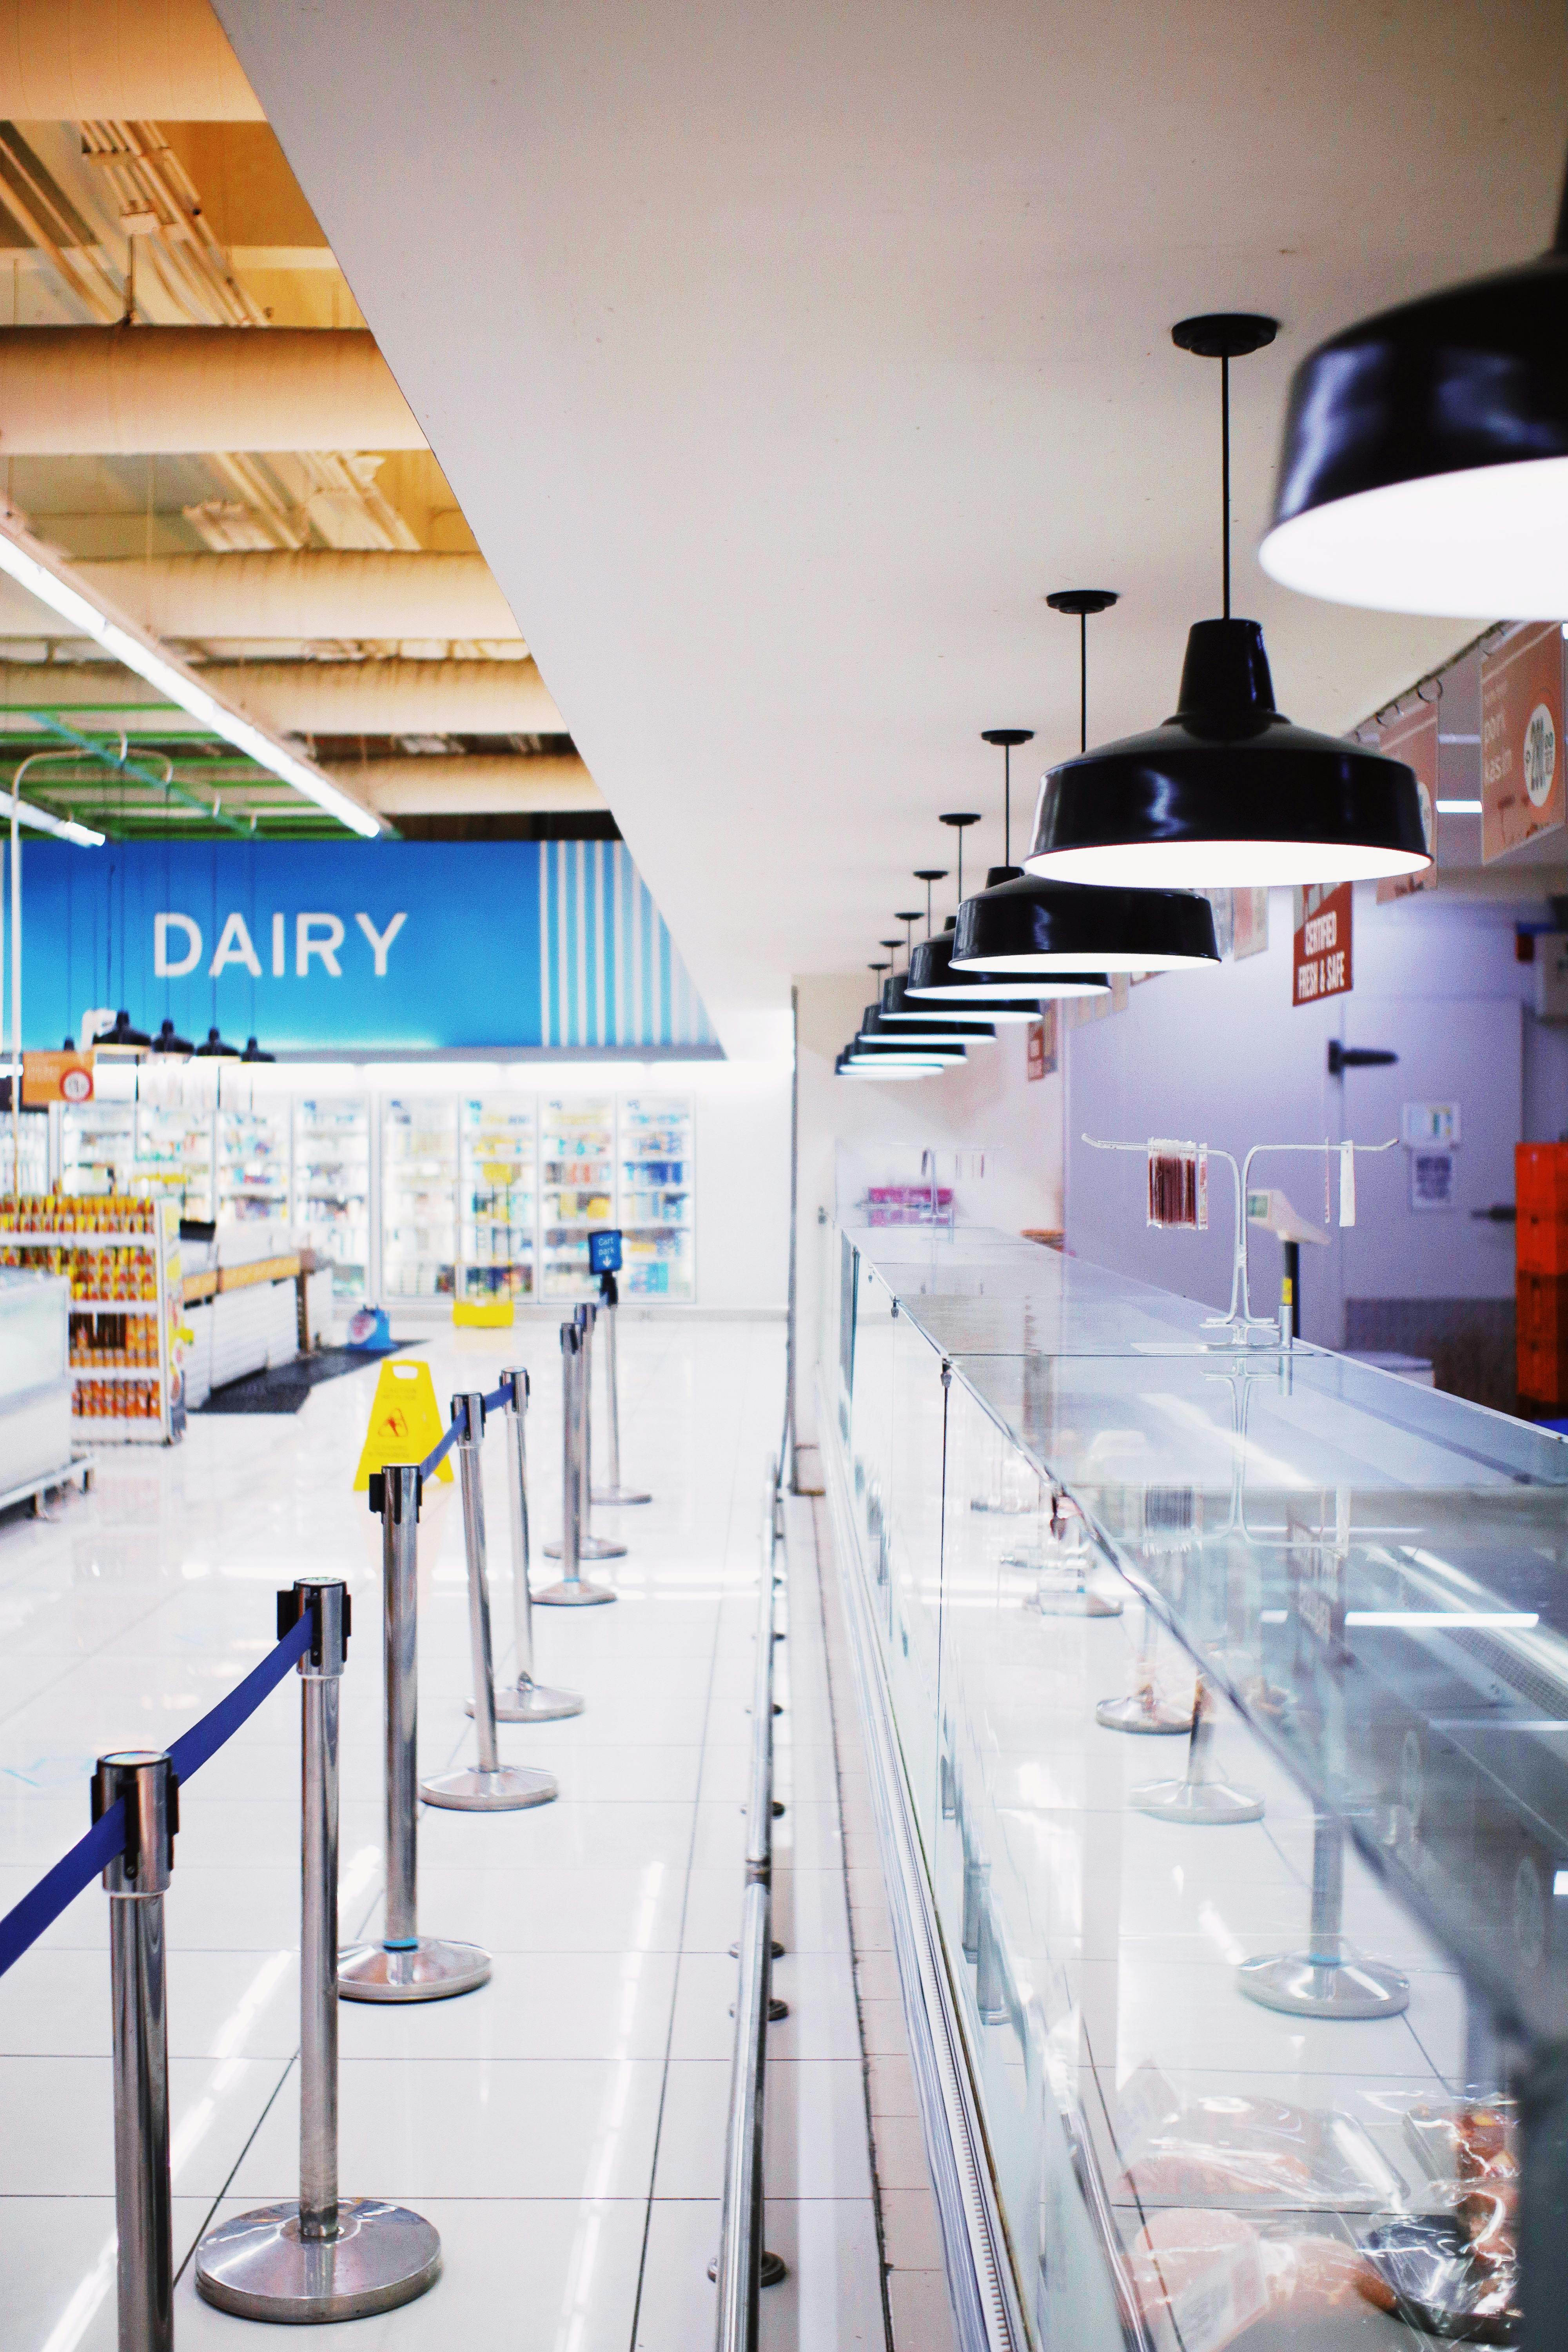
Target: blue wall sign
355 945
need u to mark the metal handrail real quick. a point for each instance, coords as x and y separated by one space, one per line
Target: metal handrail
739 2270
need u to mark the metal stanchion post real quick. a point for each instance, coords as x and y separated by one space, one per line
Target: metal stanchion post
609 1308
1196 1798
405 1965
589 1546
1324 1980
492 1787
320 2256
571 1592
527 1701
135 1882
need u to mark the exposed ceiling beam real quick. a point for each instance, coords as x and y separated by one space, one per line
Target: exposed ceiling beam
327 593
63 59
310 698
478 782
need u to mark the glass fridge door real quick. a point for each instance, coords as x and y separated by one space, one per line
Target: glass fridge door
419 1197
500 1186
174 1155
98 1147
331 1184
253 1165
655 1197
577 1169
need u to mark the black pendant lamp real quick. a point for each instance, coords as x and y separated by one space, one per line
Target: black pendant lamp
1425 462
926 1025
931 979
1227 792
215 1049
890 1038
252 1053
122 1038
165 1042
1040 930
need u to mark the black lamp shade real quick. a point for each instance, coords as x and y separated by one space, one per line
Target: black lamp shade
884 1038
216 1048
165 1042
1035 928
1425 462
252 1053
1001 996
122 1034
1227 794
930 1021
868 1067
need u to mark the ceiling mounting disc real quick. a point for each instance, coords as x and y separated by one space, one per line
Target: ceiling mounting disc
961 818
930 874
1225 334
1083 600
1008 735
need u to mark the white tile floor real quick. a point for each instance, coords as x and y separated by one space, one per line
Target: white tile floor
563 2129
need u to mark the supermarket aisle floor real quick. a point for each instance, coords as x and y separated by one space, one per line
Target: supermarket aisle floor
565 2127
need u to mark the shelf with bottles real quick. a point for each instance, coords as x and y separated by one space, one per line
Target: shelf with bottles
174 1155
253 1165
98 1147
576 1190
418 1197
121 1257
331 1185
656 1196
499 1195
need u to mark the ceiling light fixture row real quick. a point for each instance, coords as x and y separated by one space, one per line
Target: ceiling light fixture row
1227 794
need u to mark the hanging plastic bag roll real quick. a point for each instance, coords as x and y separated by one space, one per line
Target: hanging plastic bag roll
1347 1184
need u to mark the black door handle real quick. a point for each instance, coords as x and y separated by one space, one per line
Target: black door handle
1355 1057
1500 1212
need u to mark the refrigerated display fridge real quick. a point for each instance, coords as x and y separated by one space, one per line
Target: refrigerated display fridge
577 1176
253 1165
418 1193
98 1147
175 1157
656 1196
500 1179
331 1185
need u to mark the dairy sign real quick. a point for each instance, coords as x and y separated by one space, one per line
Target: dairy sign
1521 739
1320 962
347 948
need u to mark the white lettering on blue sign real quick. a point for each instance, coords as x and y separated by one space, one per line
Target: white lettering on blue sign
177 944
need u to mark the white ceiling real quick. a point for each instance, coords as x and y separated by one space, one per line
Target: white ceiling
782 358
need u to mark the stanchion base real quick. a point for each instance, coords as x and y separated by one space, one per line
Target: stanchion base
1141 1711
259 2267
1068 1601
1205 1803
532 1703
507 1790
590 1548
572 1596
430 1970
771 2271
1303 1987
617 1497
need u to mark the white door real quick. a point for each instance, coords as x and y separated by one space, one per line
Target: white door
1451 1050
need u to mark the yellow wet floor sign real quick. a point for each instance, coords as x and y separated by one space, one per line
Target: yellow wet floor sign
406 1422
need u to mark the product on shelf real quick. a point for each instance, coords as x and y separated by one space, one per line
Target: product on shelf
120 1255
253 1165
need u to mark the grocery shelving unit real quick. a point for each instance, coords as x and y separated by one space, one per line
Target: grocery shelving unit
656 1198
331 1193
98 1147
121 1257
175 1157
577 1189
500 1196
419 1196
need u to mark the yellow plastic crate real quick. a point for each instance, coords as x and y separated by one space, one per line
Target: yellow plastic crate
483 1314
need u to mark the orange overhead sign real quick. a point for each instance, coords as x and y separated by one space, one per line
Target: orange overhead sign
54 1079
1321 963
1521 739
1414 739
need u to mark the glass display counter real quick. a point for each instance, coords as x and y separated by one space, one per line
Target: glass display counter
656 1196
331 1185
577 1181
1229 1690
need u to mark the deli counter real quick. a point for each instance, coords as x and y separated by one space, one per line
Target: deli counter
1220 1688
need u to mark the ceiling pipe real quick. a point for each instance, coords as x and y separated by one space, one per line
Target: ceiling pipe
118 391
303 698
65 60
325 592
477 784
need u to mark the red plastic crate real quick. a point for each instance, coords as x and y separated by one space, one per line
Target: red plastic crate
1541 1244
1541 1180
